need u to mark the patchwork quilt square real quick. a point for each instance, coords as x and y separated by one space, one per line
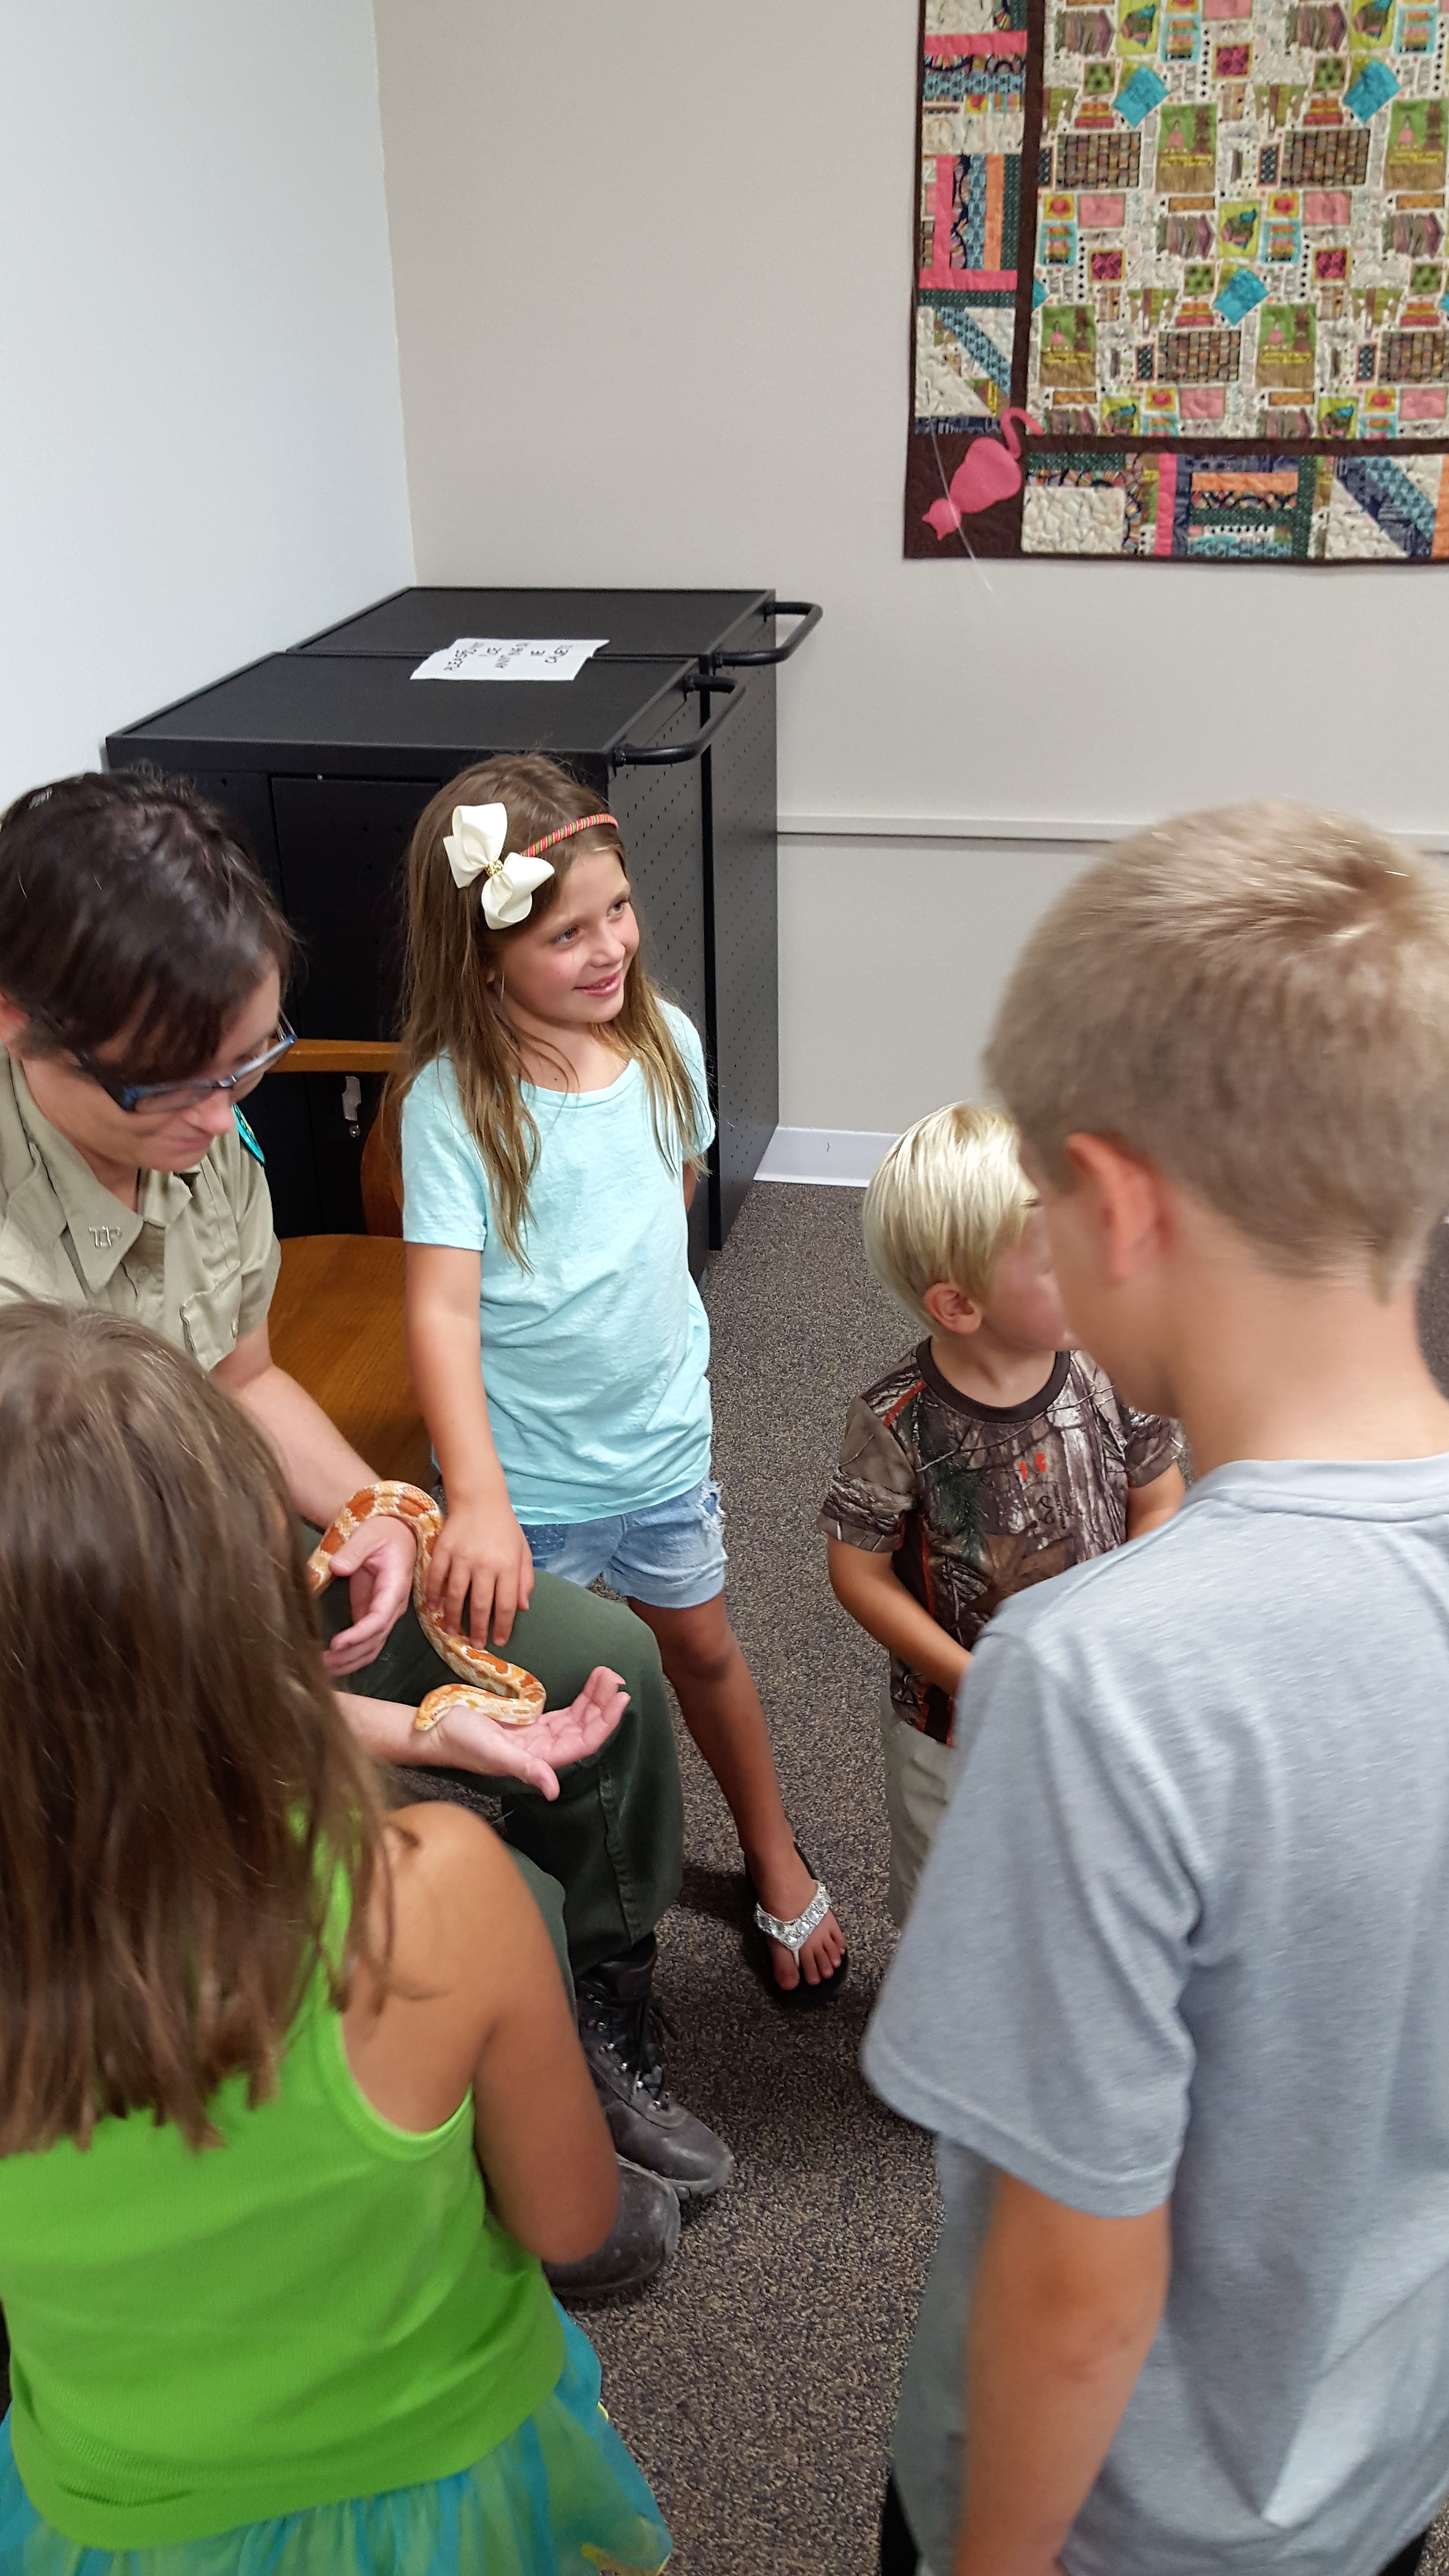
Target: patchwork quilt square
1183 264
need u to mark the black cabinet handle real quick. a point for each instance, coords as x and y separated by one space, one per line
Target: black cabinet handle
809 613
670 754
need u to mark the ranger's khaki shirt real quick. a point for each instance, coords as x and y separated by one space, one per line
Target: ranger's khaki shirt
197 1261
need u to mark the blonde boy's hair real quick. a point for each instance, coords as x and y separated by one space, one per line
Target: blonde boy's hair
949 1196
1258 1000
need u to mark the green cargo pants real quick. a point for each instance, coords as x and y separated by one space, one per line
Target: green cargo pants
603 1859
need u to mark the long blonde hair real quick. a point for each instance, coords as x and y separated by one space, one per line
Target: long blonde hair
181 1791
454 983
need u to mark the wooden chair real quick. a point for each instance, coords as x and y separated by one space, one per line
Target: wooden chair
337 1315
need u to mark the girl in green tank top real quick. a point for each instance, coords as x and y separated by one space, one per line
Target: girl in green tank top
291 2105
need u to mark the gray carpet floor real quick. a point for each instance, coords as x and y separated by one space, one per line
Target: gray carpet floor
756 2379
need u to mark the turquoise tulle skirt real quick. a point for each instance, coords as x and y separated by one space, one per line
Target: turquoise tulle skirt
561 2497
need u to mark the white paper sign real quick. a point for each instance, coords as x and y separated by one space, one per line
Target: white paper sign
510 657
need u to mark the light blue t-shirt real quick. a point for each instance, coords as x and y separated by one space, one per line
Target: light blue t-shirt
595 1357
1185 1931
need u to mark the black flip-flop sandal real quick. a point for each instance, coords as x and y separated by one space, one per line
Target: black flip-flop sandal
793 1936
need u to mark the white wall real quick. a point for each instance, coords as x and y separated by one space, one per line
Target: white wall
892 954
653 266
653 273
200 428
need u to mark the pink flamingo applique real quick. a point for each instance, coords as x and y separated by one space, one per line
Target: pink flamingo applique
989 471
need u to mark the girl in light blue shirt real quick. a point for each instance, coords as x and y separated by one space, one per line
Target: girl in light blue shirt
555 1121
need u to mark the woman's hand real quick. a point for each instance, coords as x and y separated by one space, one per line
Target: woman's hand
380 1558
481 1552
466 1740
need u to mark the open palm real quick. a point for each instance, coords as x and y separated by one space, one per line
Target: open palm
534 1754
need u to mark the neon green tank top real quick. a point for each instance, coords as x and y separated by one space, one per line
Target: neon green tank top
319 2308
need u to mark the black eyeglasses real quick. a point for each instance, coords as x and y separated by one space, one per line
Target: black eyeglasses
185 1095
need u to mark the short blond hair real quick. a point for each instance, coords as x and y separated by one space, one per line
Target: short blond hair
1257 999
949 1196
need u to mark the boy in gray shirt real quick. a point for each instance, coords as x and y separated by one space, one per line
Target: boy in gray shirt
1175 1993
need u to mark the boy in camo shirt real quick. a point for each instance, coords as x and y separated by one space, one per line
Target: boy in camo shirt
989 1459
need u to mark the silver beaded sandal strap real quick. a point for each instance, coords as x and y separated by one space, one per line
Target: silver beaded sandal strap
794 1935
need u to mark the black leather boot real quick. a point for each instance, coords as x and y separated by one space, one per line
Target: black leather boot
619 2030
638 2245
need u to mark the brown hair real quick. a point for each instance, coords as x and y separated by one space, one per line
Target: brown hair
128 904
180 1790
1258 999
454 981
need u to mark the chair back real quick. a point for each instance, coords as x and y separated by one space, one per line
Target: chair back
382 1188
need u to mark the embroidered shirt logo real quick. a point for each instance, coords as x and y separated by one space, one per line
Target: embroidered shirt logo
103 1236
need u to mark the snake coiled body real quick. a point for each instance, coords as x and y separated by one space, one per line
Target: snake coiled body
500 1690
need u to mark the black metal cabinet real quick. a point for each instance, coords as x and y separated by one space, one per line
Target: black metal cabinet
326 756
732 632
349 752
639 625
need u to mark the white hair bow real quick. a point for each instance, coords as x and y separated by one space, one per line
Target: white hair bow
475 849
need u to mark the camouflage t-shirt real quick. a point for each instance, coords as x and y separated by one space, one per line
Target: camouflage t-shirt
976 1501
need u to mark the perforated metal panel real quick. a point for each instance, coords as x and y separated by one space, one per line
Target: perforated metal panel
661 815
743 907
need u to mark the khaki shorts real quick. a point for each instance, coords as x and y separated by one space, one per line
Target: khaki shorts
919 1777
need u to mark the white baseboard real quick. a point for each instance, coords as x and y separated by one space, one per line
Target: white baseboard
841 1158
1047 831
1050 832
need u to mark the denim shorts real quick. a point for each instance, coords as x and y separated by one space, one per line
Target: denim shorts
672 1555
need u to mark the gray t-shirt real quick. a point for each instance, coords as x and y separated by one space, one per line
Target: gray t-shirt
1186 1930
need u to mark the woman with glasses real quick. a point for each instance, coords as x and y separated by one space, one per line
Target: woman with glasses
142 970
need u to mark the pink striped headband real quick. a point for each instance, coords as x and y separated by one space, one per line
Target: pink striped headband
565 832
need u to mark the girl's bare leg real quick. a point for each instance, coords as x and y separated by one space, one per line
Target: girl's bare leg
716 1691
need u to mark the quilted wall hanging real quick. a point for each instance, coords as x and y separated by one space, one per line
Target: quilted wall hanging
1181 287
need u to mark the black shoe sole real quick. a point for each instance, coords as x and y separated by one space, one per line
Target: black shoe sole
688 2192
